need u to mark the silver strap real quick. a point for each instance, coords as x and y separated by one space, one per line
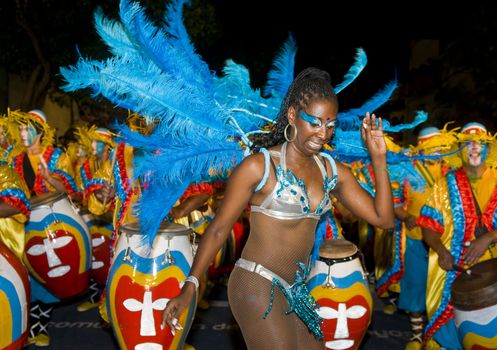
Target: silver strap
252 266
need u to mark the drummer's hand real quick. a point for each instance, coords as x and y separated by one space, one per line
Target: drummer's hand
476 249
44 172
446 260
176 212
410 222
176 306
105 193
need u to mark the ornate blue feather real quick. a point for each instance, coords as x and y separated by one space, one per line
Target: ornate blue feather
360 62
352 118
282 71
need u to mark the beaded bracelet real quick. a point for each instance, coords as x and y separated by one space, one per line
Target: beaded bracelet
194 280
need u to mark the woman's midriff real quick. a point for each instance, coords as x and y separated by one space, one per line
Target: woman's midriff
279 244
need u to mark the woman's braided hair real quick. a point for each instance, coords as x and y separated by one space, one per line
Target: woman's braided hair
311 84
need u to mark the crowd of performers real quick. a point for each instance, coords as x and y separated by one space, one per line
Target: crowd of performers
117 215
440 230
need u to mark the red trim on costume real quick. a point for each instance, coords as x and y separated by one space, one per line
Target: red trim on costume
219 185
17 203
87 170
470 215
471 220
18 165
488 214
371 174
127 188
92 188
427 222
67 185
329 229
397 276
201 188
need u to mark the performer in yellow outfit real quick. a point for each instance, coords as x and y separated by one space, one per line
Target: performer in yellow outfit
14 209
459 212
14 195
412 299
42 167
96 143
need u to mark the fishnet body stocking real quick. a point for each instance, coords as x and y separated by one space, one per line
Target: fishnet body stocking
278 245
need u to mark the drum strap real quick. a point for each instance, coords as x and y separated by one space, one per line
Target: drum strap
480 228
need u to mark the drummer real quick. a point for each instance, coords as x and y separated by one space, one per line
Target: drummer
457 224
42 168
97 144
412 299
111 189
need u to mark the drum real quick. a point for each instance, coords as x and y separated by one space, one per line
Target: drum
101 232
474 298
14 300
142 281
58 248
339 285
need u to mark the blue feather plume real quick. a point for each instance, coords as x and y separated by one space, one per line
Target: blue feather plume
352 118
282 71
112 33
360 62
419 118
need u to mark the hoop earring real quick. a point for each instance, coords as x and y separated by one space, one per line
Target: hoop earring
286 136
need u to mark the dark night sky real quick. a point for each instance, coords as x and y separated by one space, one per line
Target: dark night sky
327 34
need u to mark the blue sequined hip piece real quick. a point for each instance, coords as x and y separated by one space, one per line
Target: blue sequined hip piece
298 296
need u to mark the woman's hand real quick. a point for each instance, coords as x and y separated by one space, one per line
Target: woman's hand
176 306
372 136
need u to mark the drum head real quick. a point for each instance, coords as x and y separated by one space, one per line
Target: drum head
46 198
337 249
478 290
169 228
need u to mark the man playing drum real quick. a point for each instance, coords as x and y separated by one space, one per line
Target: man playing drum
457 224
42 169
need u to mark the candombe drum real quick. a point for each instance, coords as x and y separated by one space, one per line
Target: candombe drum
58 248
474 298
142 281
14 300
338 283
100 231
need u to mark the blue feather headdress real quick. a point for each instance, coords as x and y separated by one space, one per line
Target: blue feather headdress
156 73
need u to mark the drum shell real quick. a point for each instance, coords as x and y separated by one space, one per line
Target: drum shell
474 298
140 283
14 300
101 233
347 293
58 246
